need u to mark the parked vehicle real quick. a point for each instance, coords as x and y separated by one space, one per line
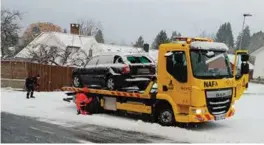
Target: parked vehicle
115 71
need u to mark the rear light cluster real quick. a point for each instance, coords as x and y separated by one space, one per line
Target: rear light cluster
153 69
125 69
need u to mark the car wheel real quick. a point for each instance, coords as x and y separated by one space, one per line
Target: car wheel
165 117
77 82
110 83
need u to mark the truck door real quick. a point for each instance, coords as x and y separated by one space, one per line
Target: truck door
241 72
175 81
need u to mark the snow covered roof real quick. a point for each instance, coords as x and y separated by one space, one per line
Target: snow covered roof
254 53
209 46
153 53
61 40
119 48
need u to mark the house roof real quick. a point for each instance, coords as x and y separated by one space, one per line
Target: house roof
62 40
254 53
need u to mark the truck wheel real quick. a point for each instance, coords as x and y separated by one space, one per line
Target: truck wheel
95 107
77 82
165 117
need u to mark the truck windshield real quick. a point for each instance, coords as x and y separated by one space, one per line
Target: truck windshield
210 64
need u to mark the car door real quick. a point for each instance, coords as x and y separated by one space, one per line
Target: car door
89 71
104 63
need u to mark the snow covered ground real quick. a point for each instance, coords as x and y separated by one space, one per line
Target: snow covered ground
246 126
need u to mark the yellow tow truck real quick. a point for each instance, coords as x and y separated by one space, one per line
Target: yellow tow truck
195 83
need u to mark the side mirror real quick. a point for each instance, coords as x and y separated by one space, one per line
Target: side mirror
244 68
244 57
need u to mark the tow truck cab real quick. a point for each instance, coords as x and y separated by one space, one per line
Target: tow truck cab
195 77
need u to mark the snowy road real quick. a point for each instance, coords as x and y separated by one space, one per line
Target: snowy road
246 126
21 129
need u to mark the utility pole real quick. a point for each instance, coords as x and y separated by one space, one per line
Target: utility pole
242 33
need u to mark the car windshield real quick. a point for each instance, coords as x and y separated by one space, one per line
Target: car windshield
138 59
210 64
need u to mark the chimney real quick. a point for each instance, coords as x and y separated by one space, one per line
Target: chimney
75 28
90 53
146 47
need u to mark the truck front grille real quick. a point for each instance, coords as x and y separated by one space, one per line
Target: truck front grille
218 101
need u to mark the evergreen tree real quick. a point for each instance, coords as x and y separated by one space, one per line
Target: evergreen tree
225 35
160 39
245 39
229 37
99 36
256 41
140 42
174 34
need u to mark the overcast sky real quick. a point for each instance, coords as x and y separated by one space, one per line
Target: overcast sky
126 20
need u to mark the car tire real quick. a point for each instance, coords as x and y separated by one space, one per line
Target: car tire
76 81
110 83
165 117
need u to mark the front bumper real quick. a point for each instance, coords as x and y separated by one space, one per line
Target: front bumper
203 116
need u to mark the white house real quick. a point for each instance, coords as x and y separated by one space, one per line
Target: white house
81 45
259 63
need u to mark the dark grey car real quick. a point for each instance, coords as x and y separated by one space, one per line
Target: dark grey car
115 71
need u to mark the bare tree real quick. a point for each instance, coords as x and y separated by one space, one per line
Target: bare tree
69 56
9 29
43 54
89 27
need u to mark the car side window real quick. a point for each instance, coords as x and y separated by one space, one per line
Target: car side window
118 60
93 61
176 66
105 59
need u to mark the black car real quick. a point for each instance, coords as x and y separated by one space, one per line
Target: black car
115 71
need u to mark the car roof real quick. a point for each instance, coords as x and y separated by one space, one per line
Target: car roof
122 54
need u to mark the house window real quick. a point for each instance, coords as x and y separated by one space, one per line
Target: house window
72 49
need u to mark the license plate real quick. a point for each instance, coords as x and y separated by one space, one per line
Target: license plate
143 70
220 117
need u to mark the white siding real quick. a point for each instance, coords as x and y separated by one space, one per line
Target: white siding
259 65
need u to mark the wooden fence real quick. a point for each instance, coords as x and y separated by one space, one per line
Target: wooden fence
51 77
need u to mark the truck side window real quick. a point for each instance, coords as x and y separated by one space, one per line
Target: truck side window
176 66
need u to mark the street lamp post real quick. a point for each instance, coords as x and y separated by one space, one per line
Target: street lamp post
242 34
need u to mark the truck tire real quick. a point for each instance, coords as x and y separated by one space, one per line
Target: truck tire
95 107
165 117
76 81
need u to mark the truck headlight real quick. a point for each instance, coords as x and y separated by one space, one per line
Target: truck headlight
198 111
233 106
